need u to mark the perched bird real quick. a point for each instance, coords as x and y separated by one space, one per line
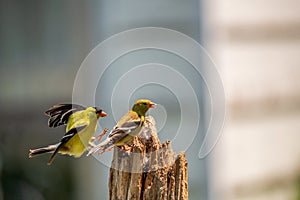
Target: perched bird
81 125
129 126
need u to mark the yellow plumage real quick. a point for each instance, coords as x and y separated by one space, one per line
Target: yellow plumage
80 141
128 126
81 124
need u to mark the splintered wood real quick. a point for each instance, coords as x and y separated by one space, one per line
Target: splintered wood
149 171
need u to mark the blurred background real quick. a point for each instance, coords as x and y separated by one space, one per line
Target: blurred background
255 44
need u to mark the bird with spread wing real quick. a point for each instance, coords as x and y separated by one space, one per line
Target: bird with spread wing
80 124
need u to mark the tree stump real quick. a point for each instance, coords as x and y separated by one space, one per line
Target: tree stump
149 171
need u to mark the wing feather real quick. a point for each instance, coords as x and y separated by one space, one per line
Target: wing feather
60 113
125 129
71 133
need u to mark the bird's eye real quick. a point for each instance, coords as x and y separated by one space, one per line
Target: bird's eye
145 104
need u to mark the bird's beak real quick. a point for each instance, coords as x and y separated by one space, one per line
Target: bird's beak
152 105
103 114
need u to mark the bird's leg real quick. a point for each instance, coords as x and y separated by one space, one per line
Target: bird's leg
106 150
99 149
99 137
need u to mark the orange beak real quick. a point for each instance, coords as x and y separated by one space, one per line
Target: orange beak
152 105
103 114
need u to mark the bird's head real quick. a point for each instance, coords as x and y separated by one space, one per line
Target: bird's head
142 106
100 112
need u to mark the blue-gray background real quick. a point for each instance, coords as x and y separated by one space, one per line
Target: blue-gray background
42 46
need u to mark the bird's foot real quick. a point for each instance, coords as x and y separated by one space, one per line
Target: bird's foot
99 137
99 149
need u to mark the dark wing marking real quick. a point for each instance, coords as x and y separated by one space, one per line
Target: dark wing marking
125 129
117 134
65 139
60 113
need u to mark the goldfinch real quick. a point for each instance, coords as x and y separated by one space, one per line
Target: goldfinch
80 124
128 127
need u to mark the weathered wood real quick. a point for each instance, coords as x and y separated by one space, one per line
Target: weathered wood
149 171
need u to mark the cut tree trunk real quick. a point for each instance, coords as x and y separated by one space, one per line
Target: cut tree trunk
149 171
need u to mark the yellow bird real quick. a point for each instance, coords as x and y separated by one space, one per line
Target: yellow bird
81 125
128 127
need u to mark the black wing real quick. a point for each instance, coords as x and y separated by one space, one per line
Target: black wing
65 139
60 113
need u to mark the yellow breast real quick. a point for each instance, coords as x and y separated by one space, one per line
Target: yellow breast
77 145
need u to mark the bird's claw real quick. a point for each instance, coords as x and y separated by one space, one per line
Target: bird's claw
99 137
99 149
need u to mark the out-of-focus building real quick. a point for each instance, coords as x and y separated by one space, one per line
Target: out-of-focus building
256 45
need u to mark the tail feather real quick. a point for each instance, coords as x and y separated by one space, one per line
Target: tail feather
48 149
58 146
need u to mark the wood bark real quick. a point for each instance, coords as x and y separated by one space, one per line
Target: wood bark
149 171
